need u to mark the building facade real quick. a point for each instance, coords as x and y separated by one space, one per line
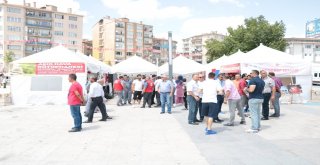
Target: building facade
26 29
307 48
114 40
160 51
194 47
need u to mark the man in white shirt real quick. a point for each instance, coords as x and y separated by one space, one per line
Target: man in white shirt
193 98
209 89
156 84
96 94
137 86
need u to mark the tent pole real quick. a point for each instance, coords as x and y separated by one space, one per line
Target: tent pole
170 54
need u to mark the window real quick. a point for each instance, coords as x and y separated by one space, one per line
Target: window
58 24
44 32
58 33
13 10
72 34
14 47
129 53
308 46
73 26
59 16
139 34
1 37
14 38
71 42
73 18
119 53
315 75
139 27
119 45
14 19
14 28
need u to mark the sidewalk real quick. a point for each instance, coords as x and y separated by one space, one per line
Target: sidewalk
38 135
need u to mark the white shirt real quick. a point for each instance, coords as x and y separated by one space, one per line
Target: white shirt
193 86
157 82
210 88
200 87
96 90
137 85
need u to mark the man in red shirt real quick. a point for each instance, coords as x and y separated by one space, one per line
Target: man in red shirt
242 86
147 92
118 89
75 100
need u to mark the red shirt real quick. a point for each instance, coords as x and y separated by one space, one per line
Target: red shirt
72 98
149 87
242 85
117 85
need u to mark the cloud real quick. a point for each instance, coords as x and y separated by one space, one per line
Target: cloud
146 9
233 2
203 25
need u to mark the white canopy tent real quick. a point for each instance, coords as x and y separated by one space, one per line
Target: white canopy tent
282 64
94 65
135 65
43 77
182 66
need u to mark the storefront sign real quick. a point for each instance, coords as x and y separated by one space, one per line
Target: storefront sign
233 68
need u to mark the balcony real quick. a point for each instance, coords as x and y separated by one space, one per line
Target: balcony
38 17
37 25
39 35
38 43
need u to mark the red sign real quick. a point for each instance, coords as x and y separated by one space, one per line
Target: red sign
233 68
59 68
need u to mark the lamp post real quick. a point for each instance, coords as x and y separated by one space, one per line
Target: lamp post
170 55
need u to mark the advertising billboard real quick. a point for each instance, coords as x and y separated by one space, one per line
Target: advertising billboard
313 28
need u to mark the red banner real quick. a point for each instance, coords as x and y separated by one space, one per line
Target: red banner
233 68
59 68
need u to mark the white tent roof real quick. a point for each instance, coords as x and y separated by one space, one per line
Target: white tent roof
216 64
264 54
55 54
235 58
182 65
95 65
133 65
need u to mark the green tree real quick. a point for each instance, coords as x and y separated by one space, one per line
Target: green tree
249 36
8 57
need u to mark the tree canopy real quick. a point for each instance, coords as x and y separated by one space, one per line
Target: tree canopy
247 37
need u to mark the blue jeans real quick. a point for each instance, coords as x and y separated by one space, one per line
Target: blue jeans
276 104
193 108
127 94
165 98
77 118
255 111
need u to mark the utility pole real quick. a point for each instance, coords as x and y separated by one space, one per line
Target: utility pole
170 55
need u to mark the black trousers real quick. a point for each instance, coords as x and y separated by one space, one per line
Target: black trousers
158 99
201 114
147 99
97 102
265 105
220 99
185 100
152 97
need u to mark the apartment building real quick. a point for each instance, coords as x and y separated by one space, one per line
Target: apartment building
307 48
194 47
26 29
116 39
160 51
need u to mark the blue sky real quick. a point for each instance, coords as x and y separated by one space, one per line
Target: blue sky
190 17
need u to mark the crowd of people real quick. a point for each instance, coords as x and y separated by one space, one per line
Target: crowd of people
202 97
